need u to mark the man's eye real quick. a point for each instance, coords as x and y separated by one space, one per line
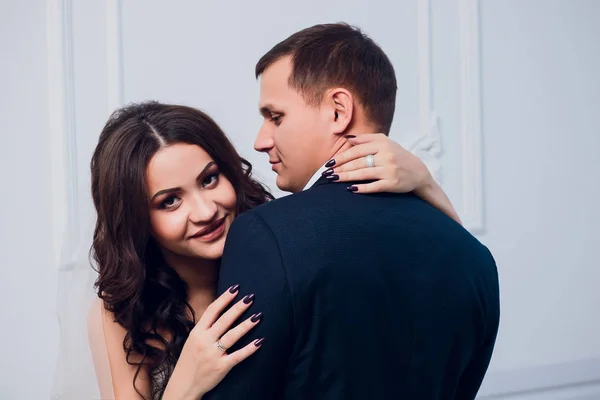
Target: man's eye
276 119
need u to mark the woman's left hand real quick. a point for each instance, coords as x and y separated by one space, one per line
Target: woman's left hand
395 169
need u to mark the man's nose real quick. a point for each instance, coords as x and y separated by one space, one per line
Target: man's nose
264 140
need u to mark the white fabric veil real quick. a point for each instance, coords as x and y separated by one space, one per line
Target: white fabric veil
82 370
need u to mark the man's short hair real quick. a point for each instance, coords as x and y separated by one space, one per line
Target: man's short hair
331 55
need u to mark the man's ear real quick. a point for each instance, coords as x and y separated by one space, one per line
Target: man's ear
339 104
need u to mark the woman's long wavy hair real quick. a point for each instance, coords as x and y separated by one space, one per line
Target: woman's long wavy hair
145 295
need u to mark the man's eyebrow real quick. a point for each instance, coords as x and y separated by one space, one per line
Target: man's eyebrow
267 109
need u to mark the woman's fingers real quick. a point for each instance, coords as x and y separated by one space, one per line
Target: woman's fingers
363 174
215 309
233 335
373 187
222 324
238 356
353 165
353 153
365 138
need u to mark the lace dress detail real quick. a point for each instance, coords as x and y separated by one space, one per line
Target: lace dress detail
160 376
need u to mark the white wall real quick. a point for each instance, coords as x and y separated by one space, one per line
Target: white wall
540 98
29 332
541 102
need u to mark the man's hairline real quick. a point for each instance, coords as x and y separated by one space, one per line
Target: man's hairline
317 104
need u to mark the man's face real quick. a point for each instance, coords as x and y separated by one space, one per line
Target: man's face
294 135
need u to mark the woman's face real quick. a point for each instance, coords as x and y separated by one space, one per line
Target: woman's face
192 205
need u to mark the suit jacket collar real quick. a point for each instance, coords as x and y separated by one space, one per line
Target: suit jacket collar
317 176
321 181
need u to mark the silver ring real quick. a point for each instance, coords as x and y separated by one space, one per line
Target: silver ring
370 160
220 346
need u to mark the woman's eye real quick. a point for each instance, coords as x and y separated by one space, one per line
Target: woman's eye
210 180
170 202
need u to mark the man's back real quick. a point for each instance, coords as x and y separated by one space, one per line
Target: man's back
378 295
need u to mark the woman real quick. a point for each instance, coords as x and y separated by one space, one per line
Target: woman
156 171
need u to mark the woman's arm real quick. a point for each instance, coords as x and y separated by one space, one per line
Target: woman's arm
395 170
433 193
99 350
114 375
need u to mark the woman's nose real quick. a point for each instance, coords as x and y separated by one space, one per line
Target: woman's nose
202 210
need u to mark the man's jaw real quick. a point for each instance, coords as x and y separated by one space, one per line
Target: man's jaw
339 146
284 183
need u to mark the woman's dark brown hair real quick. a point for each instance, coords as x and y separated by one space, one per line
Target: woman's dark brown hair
144 294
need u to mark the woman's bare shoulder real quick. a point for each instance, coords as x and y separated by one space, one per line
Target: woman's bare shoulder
115 374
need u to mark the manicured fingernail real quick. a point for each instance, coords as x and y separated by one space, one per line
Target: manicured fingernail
333 177
327 172
350 136
330 163
256 317
352 188
259 342
234 288
248 298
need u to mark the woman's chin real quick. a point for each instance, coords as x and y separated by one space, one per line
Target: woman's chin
213 251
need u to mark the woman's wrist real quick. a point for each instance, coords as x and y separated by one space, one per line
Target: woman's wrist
427 186
431 192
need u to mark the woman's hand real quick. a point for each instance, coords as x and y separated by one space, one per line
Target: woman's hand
394 170
204 362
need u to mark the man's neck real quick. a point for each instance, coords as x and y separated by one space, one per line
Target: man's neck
340 145
314 178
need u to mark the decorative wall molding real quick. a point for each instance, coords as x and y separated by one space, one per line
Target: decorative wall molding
62 125
471 209
566 381
427 145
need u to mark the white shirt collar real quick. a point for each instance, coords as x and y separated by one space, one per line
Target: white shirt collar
314 178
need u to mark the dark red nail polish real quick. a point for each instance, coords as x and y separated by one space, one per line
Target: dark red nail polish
248 298
330 163
350 136
234 288
256 317
259 342
352 188
333 177
327 172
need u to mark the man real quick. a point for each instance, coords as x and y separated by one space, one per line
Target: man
363 296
